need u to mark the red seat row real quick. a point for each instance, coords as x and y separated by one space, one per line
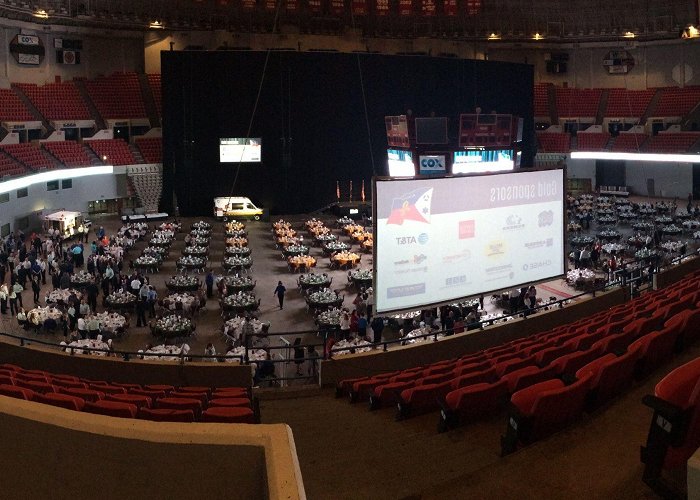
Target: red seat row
151 402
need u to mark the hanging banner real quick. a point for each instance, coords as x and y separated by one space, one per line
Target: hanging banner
428 8
338 7
248 5
292 5
314 6
473 7
450 8
405 7
359 7
270 5
381 7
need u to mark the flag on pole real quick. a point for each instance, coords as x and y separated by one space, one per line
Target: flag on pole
362 194
337 190
350 191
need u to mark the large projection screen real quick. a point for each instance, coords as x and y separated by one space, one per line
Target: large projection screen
438 240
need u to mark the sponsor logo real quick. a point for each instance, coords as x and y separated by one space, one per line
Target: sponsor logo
495 249
466 229
405 290
545 218
417 259
422 239
457 257
456 280
536 265
423 269
513 222
530 245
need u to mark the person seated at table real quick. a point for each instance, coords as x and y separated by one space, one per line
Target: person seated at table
210 350
265 370
50 325
22 318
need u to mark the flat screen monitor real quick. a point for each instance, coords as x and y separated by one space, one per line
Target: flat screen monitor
475 161
431 130
240 150
400 163
438 240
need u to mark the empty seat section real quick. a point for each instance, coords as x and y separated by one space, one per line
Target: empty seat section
112 151
623 103
676 101
70 153
155 84
554 142
629 143
12 109
592 141
151 148
117 96
541 100
30 155
577 103
680 142
57 101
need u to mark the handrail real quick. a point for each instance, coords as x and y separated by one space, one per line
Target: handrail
620 278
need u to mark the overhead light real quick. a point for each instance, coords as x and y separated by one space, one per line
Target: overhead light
494 36
156 25
53 175
41 14
628 34
537 36
659 157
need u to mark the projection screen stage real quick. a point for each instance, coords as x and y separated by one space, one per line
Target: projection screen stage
439 240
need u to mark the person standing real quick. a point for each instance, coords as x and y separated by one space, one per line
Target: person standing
279 291
17 289
298 354
36 288
209 281
377 328
141 306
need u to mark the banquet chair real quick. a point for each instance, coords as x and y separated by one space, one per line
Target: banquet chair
112 408
674 431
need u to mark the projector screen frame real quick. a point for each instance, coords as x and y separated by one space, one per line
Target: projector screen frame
486 292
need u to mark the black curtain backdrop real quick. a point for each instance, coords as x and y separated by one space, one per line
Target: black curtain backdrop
311 118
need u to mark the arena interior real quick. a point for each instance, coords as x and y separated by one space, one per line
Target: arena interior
214 282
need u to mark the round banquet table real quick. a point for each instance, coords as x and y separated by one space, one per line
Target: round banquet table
184 284
301 262
345 259
313 281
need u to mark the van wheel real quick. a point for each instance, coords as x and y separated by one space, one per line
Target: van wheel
257 217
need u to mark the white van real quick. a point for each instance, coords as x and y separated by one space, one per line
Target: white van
236 206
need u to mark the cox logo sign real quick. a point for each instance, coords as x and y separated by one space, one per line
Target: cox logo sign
433 163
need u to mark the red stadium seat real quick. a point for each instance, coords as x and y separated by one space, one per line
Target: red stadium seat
135 399
87 394
165 415
611 375
17 392
180 404
474 401
674 432
421 398
62 400
228 414
112 409
542 409
528 376
243 402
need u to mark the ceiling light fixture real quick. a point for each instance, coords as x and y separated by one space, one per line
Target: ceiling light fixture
537 36
155 25
494 36
659 157
40 14
629 34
